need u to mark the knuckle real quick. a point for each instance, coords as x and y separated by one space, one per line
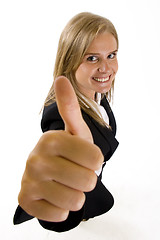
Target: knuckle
62 215
98 158
27 193
46 136
50 141
20 199
33 163
24 203
29 208
46 140
77 202
51 135
91 181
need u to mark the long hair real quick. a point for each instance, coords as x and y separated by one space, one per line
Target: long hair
73 44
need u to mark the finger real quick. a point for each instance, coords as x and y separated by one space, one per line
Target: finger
83 153
60 195
44 210
69 109
63 171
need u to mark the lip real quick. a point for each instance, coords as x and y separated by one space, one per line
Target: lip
102 79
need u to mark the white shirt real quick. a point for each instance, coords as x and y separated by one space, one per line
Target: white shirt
102 114
105 117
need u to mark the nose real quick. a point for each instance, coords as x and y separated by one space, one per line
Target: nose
104 67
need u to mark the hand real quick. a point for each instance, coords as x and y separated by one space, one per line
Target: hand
62 165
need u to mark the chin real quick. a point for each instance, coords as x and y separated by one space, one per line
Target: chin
104 90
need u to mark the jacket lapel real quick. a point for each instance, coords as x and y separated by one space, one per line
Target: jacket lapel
108 134
112 121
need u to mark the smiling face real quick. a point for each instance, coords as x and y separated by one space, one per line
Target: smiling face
99 66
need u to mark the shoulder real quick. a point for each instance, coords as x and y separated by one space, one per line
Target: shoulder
51 119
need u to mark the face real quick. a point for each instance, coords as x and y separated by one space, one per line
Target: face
99 66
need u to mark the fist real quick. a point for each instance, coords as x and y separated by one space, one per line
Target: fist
62 165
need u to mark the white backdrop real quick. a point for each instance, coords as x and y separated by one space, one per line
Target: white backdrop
29 36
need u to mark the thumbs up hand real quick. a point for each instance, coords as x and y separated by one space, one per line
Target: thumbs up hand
62 165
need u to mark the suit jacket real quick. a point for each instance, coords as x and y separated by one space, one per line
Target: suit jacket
99 200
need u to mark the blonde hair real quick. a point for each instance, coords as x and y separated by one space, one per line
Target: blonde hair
73 44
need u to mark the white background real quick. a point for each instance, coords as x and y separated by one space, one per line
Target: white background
29 36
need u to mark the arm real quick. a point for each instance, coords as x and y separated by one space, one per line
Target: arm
46 193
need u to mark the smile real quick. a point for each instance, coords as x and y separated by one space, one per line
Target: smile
101 79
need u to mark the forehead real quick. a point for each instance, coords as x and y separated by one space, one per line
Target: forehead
103 42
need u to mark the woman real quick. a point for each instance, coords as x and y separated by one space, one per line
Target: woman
61 185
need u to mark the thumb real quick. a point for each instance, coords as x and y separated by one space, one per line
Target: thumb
69 109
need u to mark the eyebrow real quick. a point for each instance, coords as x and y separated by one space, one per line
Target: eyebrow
91 53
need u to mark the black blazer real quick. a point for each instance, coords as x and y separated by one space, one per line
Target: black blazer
99 200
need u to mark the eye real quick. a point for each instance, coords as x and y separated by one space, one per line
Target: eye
112 55
92 59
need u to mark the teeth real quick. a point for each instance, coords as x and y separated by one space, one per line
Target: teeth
101 79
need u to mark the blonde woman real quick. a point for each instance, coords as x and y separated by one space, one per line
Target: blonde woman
61 185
